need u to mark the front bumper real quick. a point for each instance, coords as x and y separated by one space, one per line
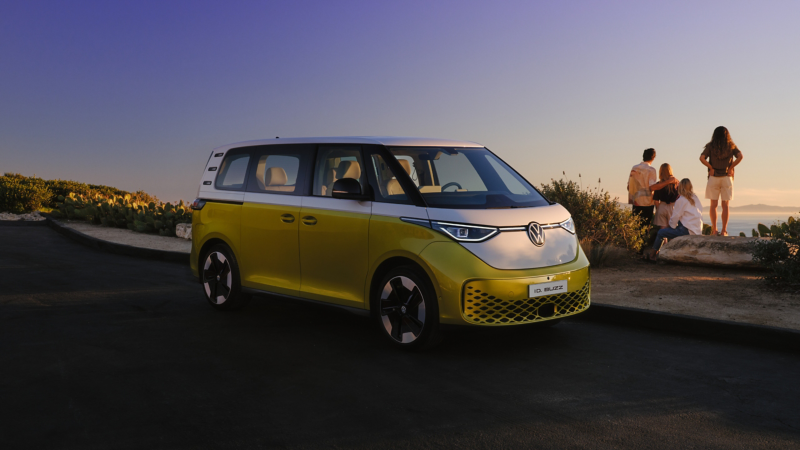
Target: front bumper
473 293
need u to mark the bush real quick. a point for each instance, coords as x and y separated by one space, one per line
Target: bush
19 194
781 254
124 212
599 220
65 187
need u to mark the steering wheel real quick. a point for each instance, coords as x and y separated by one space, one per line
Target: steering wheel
452 183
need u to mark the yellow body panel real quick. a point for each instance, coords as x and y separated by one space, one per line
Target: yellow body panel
215 221
334 256
339 254
453 267
270 256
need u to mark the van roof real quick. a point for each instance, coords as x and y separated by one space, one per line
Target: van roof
378 140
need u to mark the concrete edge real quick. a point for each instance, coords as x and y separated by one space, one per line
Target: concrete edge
741 333
119 249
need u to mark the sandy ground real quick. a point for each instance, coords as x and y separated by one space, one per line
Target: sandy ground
725 294
128 237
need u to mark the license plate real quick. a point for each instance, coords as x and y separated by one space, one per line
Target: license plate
553 287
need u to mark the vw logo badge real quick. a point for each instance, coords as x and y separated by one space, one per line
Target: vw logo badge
536 233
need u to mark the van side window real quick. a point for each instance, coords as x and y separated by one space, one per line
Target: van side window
334 163
389 189
277 173
232 172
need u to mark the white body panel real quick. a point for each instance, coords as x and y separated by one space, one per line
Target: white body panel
511 217
511 250
398 210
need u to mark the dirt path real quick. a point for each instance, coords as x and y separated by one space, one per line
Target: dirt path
725 294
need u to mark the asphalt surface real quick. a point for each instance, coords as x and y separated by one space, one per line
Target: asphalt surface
106 351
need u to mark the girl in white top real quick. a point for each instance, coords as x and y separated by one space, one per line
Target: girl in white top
686 219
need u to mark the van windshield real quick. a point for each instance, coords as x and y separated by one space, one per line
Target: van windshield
466 178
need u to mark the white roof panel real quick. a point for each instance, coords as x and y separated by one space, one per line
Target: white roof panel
377 140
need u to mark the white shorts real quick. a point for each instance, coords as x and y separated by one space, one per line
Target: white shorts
663 213
719 187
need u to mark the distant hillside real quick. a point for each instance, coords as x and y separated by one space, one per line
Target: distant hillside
765 209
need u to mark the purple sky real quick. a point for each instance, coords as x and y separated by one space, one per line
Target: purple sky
136 94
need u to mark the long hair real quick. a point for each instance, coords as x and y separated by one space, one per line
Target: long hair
664 172
686 191
721 144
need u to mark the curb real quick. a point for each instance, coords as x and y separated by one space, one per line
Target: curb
23 223
119 249
741 333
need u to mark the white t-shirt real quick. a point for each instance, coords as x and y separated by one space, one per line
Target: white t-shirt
691 216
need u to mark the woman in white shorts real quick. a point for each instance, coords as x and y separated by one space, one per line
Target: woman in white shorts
720 155
665 197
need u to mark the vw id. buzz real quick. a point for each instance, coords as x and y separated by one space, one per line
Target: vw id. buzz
415 232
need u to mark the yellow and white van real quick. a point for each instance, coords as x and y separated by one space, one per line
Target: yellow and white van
416 232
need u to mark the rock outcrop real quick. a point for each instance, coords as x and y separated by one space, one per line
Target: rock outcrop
718 251
183 230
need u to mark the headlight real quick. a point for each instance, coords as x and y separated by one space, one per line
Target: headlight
568 225
465 233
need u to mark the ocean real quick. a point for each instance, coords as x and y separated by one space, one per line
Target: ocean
745 222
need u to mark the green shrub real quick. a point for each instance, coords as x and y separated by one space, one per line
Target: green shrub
124 212
781 254
65 187
599 219
19 194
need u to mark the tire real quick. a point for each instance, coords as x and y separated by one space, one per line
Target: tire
219 277
405 308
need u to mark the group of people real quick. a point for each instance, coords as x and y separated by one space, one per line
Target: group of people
660 200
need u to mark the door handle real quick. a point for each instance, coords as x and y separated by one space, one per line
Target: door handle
287 218
309 220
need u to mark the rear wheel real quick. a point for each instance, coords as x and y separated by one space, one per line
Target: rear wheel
406 309
219 276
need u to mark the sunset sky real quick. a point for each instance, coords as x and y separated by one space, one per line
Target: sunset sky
136 94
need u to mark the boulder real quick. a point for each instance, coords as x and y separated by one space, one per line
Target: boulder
183 230
718 251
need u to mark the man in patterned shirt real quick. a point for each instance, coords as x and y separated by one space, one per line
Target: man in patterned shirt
640 194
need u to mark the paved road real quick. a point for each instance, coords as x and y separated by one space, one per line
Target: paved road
105 351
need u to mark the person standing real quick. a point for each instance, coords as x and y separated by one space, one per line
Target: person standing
720 156
640 194
665 194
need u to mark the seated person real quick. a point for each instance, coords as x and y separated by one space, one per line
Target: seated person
686 219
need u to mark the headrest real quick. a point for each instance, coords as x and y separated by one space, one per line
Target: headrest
406 165
348 169
275 176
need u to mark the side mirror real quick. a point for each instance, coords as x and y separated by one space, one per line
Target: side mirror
348 188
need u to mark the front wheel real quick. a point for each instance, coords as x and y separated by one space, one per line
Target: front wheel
220 279
406 309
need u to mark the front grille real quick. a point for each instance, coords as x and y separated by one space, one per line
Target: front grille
484 308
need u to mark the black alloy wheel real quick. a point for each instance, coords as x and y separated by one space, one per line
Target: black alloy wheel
219 275
406 309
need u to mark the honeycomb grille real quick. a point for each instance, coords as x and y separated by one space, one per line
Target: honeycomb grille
484 308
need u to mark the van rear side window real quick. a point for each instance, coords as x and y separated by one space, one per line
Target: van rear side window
232 174
277 173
